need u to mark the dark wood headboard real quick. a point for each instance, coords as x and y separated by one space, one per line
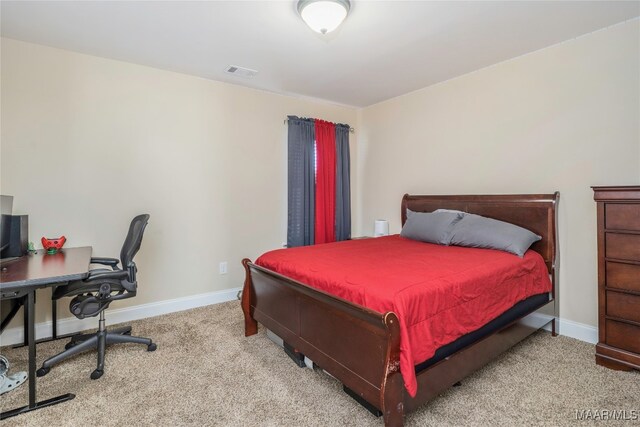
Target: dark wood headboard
535 212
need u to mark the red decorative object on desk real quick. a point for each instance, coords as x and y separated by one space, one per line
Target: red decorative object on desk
52 246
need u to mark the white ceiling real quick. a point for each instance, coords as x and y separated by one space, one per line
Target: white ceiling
382 50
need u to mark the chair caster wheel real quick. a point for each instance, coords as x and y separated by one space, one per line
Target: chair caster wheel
96 374
152 347
42 372
69 345
126 333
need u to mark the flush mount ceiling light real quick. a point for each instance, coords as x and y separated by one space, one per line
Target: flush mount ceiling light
323 16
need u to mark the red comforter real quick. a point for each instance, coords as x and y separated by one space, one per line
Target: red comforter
439 293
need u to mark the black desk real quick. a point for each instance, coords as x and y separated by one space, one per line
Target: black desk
26 275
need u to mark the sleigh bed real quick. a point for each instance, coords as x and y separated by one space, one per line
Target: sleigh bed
361 347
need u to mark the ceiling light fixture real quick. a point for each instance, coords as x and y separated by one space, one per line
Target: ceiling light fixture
323 16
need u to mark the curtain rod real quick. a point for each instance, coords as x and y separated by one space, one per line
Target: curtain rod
351 130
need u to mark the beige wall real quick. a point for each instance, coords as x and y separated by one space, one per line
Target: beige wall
563 118
87 143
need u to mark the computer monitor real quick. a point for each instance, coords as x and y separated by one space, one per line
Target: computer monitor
6 209
8 307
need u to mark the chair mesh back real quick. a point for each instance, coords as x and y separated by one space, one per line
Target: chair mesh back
134 239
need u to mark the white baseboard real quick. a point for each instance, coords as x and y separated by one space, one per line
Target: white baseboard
571 329
71 324
579 331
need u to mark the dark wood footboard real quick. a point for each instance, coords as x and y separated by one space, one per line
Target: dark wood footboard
361 347
358 346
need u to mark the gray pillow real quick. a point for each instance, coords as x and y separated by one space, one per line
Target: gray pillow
450 210
431 227
479 232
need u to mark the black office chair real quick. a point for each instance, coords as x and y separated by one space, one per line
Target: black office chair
94 294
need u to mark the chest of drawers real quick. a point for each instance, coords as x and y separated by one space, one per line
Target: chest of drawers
618 277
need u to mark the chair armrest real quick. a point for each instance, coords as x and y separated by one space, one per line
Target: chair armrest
102 275
113 262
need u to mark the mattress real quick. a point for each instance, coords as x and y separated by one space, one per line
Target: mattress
439 293
519 310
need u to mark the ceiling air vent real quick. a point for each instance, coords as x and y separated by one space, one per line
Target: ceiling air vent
247 73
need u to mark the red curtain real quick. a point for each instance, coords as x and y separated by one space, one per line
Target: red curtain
325 182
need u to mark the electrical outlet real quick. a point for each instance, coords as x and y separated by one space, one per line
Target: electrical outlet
223 267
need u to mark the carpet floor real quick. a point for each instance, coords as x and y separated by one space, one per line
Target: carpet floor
205 373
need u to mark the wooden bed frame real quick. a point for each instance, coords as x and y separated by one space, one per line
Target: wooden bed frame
361 347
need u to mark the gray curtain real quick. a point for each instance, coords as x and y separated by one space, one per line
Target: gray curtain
301 182
343 184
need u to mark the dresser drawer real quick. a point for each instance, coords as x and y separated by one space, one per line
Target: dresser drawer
622 216
623 276
623 336
623 306
623 246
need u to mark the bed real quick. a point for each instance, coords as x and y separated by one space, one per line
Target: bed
361 346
